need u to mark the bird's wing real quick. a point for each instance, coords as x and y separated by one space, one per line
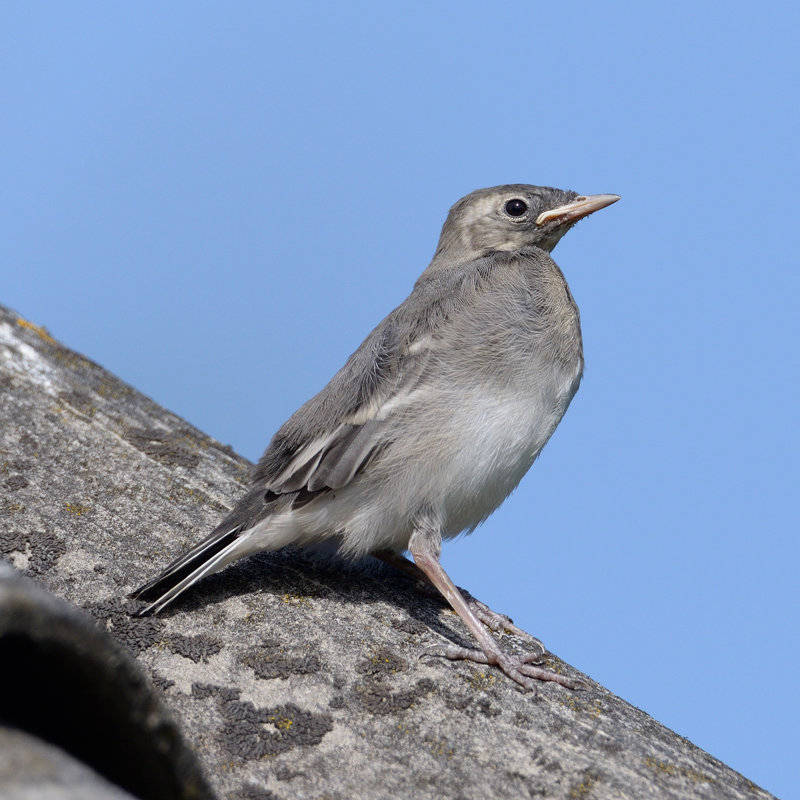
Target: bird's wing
325 443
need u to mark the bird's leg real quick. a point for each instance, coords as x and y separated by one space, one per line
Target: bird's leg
499 623
425 545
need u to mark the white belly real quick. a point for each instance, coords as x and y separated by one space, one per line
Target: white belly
501 444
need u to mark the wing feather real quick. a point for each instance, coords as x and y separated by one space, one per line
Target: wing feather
302 458
347 456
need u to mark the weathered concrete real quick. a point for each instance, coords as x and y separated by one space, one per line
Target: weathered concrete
289 678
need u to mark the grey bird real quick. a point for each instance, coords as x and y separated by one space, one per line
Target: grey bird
433 420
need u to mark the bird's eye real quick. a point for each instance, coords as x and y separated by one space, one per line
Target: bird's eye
516 207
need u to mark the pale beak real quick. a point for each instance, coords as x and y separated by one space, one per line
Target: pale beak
577 209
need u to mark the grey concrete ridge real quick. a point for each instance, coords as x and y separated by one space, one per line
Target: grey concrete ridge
288 677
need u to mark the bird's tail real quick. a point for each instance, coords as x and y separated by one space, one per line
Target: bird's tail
212 554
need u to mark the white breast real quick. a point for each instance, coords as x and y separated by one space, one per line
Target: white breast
500 436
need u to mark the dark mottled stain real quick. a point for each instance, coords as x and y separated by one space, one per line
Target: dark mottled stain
290 727
6 383
257 732
377 698
160 682
484 705
202 691
44 548
162 446
134 633
270 660
17 465
409 625
251 732
383 662
458 702
28 444
197 648
16 482
12 542
251 793
336 702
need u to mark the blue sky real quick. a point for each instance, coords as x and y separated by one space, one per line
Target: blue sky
218 201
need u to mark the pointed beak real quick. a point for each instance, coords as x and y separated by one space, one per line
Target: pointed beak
577 209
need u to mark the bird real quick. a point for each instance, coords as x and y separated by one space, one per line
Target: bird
433 421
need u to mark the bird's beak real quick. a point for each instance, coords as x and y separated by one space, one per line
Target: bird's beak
577 209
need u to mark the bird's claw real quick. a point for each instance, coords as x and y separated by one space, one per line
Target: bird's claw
517 667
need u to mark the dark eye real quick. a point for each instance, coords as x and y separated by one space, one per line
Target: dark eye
516 207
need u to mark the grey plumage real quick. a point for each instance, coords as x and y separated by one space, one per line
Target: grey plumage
435 418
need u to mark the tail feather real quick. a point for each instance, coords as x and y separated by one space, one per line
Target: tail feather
206 557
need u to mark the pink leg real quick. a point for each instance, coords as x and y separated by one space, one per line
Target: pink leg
499 623
425 546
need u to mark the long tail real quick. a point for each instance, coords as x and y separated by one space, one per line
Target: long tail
210 555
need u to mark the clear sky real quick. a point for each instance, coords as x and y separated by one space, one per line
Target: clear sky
217 201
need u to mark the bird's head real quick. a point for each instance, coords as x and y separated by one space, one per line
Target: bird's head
512 217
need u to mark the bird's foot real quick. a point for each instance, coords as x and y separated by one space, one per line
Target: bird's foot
500 623
520 668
